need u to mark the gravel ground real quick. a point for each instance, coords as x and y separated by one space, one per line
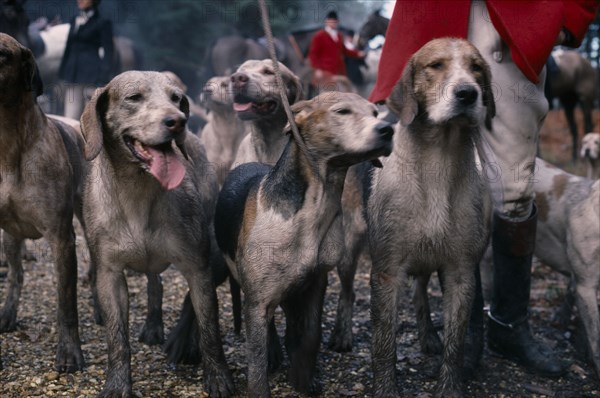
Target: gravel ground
28 353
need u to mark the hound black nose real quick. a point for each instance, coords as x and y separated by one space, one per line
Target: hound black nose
239 79
385 129
465 94
175 123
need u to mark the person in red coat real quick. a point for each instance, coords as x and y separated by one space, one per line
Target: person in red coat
515 38
327 52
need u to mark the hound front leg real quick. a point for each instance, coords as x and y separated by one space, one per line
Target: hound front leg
8 314
69 357
257 324
384 292
459 289
217 377
114 303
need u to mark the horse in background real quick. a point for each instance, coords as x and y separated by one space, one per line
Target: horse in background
574 81
375 26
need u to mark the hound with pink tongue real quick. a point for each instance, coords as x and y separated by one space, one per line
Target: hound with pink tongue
165 166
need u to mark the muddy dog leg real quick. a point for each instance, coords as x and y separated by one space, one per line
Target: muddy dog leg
92 277
341 337
459 287
428 336
585 294
218 381
8 315
69 357
257 324
303 334
384 314
153 331
569 105
274 347
114 302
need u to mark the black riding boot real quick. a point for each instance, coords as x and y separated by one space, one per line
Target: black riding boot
508 327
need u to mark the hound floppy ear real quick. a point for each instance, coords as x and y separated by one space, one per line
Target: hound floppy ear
91 122
294 88
301 111
184 105
488 97
402 100
31 76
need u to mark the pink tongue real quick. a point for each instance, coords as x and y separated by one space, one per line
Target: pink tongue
241 107
166 168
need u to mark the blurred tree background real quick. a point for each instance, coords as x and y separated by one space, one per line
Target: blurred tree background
175 34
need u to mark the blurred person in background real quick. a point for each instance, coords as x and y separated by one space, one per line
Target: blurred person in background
327 53
87 61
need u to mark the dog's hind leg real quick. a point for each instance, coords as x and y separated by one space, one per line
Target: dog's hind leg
153 330
274 347
428 336
182 345
8 315
69 357
354 227
341 336
218 381
569 104
585 294
303 334
563 315
474 338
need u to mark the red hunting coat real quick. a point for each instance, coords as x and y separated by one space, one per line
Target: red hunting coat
328 55
530 29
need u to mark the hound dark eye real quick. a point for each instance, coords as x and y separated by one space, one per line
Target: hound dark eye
134 97
343 111
175 98
436 65
268 72
375 113
476 68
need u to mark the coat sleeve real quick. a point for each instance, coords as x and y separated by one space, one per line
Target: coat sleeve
348 52
578 16
315 51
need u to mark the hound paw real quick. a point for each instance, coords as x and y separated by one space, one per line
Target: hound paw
219 383
152 334
8 321
69 359
116 393
431 343
341 340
